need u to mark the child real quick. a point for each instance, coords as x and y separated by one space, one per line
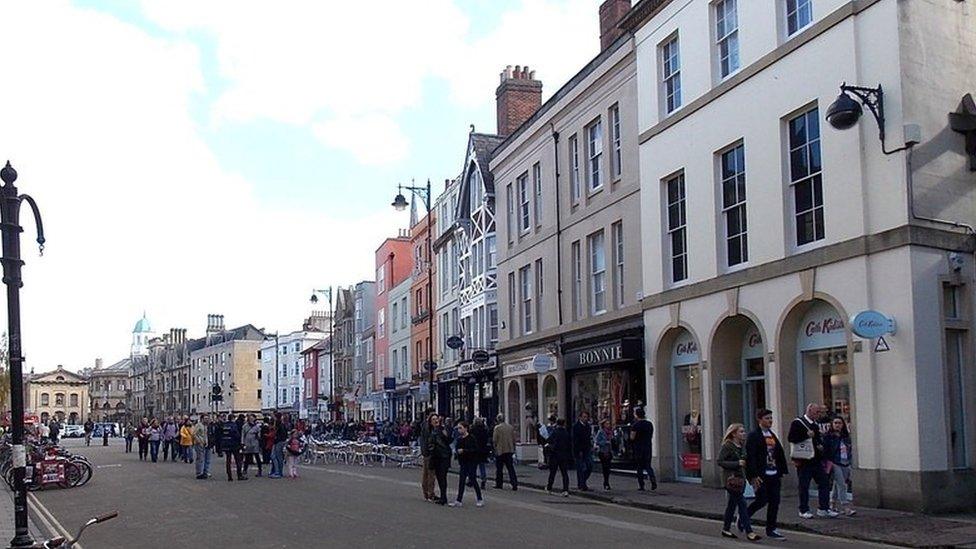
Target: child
294 449
839 452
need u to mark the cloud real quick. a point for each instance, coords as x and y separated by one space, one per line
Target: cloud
374 139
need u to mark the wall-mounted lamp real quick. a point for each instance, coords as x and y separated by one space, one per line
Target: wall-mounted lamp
844 113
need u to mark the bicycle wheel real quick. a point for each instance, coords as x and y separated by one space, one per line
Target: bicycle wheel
86 472
72 475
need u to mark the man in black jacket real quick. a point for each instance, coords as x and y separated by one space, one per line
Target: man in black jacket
230 445
765 466
582 450
560 455
806 430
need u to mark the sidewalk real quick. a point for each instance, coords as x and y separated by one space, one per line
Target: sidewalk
7 520
877 525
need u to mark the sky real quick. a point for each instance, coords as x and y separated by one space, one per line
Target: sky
228 156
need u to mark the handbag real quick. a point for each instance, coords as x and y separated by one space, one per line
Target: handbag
804 449
735 485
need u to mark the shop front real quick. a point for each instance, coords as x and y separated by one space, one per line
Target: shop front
531 395
823 371
480 389
686 388
606 379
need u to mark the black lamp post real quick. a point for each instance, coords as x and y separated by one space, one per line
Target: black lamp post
844 112
315 299
10 203
400 203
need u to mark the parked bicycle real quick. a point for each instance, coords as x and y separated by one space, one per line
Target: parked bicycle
61 542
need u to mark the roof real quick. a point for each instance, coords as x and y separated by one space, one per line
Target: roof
320 346
51 377
477 157
246 332
143 326
119 368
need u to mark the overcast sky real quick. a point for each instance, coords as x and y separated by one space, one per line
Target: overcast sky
195 157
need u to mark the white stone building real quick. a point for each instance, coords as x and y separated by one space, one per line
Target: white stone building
765 230
282 370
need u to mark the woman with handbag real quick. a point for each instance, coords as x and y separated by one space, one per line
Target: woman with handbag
604 450
732 460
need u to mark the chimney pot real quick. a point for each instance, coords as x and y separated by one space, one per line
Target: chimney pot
517 99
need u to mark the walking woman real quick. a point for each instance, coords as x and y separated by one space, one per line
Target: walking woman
439 449
732 460
839 451
130 433
142 433
604 450
292 451
186 441
155 437
469 456
252 443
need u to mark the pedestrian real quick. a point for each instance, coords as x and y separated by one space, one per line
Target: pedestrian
583 450
732 460
201 446
604 450
213 435
469 456
439 449
186 441
130 433
278 452
480 433
642 437
155 436
503 441
54 427
251 437
427 475
167 434
267 439
105 431
89 427
543 438
807 453
142 433
765 468
230 446
839 452
560 455
294 449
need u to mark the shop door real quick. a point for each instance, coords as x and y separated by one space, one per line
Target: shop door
733 403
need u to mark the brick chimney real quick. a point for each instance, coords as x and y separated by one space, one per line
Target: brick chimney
611 12
518 96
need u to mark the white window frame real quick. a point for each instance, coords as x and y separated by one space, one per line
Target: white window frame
512 299
617 230
594 155
522 188
525 294
676 225
671 74
596 246
733 203
798 9
616 157
574 172
537 194
810 148
539 288
727 37
510 213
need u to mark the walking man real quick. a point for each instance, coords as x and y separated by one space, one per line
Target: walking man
560 455
642 435
583 450
807 452
89 427
765 467
230 445
503 440
201 446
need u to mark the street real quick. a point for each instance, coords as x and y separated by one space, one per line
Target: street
162 505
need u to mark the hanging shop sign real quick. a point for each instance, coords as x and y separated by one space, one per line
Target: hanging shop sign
542 363
471 368
872 324
620 350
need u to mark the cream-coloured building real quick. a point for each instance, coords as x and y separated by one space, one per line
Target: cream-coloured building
569 252
59 394
765 230
108 387
230 359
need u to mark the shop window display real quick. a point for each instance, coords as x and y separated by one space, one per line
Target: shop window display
826 379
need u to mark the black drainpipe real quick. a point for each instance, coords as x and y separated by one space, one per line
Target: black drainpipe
559 228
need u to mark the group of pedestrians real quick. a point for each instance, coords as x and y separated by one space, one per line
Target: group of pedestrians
242 441
820 451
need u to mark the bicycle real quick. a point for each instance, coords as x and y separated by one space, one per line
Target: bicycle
60 542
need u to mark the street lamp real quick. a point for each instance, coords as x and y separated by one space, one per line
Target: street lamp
844 112
10 203
399 204
315 299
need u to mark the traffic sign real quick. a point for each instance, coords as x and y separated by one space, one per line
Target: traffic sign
881 346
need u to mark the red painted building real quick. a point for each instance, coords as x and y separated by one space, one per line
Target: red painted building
394 263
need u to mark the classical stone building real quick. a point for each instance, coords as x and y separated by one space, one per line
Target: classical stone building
108 389
59 394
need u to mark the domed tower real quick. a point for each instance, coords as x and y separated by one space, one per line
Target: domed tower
141 335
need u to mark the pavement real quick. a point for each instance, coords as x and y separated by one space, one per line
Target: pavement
162 505
877 525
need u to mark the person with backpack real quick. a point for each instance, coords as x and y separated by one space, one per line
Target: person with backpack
807 453
469 455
